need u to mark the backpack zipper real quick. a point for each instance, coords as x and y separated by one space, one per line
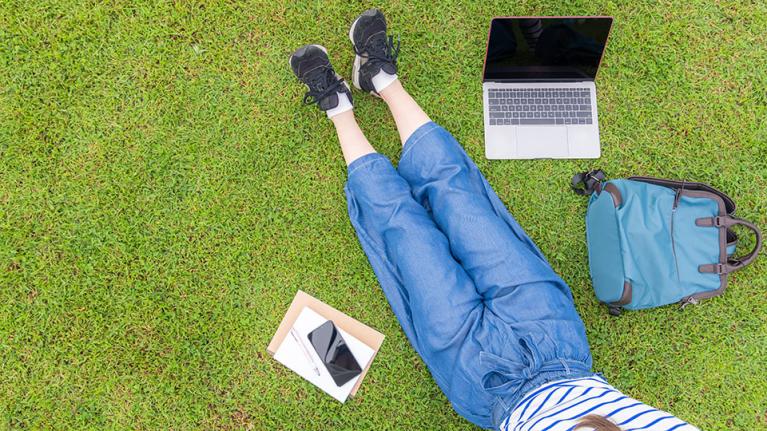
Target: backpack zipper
689 185
677 197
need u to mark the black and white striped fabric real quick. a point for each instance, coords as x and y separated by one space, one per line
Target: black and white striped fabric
559 406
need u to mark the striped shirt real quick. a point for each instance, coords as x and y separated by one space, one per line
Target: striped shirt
559 406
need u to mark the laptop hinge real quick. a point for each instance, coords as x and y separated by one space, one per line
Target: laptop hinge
533 81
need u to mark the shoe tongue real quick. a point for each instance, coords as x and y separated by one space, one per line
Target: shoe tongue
379 53
377 44
317 79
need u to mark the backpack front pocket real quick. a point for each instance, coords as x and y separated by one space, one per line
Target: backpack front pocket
647 220
604 244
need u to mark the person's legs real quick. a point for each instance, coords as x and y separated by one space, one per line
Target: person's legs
542 336
433 298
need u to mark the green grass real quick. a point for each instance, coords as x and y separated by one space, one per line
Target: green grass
163 195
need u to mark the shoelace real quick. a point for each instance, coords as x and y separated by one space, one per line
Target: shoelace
318 85
380 50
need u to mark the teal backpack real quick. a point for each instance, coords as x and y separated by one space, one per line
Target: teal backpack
654 242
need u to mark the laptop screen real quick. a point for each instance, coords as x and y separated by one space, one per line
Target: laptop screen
546 49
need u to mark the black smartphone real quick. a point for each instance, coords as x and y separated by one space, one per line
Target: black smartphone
335 354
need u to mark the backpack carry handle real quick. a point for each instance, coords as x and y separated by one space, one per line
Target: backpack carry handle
733 264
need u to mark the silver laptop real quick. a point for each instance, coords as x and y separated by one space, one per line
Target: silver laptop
538 87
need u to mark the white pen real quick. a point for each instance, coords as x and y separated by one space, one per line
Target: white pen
304 349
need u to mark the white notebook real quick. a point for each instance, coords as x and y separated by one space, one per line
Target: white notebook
292 356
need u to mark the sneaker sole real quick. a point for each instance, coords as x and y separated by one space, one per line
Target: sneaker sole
357 59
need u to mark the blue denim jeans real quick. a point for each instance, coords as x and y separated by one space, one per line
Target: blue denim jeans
474 295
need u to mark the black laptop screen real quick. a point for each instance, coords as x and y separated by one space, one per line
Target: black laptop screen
545 48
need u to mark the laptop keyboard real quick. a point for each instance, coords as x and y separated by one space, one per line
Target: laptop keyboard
536 106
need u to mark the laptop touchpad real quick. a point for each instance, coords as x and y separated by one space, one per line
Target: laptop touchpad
541 142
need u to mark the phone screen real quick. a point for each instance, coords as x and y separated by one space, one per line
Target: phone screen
334 353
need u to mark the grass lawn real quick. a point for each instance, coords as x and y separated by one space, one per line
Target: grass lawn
163 194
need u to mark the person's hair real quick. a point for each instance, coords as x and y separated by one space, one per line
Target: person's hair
598 423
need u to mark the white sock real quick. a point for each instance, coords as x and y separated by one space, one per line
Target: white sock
382 80
344 104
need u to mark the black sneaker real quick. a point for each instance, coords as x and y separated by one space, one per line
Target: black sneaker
311 65
374 50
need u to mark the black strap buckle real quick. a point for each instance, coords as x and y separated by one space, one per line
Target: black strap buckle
586 183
